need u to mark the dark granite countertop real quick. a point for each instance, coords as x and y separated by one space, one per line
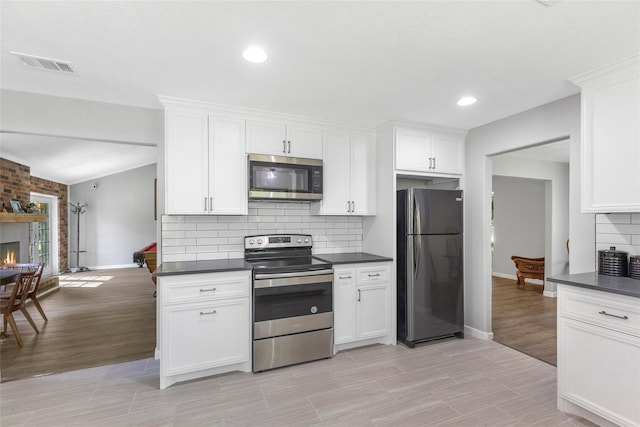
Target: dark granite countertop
196 267
351 258
599 282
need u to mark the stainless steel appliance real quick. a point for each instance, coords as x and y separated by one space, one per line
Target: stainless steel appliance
429 265
292 301
284 178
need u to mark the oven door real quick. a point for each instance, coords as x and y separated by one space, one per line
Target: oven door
291 303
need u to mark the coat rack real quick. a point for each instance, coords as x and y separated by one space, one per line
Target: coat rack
78 209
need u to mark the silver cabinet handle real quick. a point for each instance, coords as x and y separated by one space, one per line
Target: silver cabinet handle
430 159
374 275
284 146
205 204
348 206
208 290
289 146
353 206
204 313
613 315
210 204
434 163
343 278
358 295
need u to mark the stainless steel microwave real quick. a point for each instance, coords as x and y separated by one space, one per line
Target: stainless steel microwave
284 178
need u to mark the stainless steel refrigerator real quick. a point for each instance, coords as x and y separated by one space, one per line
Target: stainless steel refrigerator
429 263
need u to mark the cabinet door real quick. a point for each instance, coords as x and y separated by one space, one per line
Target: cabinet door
599 370
335 193
205 335
413 150
186 156
373 311
448 153
304 141
611 147
266 137
227 167
344 305
363 176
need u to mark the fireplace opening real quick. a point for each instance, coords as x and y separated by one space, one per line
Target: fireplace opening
9 253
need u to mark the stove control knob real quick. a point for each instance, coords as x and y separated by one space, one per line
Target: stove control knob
251 242
299 241
259 241
306 240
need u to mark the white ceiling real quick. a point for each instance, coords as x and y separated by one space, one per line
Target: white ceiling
360 63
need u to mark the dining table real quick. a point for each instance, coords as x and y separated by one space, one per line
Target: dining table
8 276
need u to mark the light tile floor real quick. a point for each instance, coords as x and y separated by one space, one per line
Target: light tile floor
448 383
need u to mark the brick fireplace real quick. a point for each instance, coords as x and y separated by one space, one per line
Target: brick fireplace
16 183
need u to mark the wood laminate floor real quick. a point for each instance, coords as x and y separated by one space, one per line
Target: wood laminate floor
447 383
96 318
524 319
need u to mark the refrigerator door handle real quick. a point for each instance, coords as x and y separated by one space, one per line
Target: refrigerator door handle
416 254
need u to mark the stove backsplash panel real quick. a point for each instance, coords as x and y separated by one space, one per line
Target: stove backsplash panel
194 238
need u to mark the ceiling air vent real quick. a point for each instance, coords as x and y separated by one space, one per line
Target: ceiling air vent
42 63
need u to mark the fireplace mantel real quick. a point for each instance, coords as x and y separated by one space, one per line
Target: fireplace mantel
20 217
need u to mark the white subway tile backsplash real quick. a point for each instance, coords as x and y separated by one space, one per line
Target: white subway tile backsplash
208 237
613 218
619 230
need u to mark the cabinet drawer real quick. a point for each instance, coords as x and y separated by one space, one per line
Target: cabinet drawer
373 274
611 311
204 287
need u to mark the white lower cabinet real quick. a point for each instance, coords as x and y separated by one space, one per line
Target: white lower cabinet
205 325
362 304
599 356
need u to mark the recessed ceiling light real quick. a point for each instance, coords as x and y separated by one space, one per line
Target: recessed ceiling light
254 54
466 100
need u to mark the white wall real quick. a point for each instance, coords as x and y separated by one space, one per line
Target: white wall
545 123
519 221
557 216
118 220
209 237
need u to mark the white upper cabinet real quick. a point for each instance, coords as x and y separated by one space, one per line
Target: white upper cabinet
227 166
349 161
429 151
186 158
283 139
205 163
611 137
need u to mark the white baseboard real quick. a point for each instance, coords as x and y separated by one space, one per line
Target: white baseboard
476 333
550 294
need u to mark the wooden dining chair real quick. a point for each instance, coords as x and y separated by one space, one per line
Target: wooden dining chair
16 301
33 292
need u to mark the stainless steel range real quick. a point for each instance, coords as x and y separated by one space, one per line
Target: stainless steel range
292 301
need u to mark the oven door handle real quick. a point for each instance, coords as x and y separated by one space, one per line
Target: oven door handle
294 274
291 281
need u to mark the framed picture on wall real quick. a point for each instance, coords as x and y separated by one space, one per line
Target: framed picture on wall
15 205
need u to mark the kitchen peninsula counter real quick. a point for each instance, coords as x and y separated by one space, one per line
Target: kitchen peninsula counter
198 267
594 281
351 258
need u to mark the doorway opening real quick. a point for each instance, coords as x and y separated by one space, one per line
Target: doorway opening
530 218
